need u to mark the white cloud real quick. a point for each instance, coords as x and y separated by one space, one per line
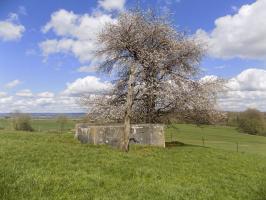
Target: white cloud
22 10
56 46
42 102
87 85
65 101
46 95
10 29
24 93
87 69
12 84
12 17
240 35
5 100
112 4
55 104
3 94
62 22
77 34
249 80
30 52
248 89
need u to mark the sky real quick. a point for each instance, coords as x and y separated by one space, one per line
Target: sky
46 47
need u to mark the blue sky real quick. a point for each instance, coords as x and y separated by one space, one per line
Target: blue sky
45 63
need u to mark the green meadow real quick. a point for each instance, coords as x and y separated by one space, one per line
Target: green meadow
41 125
220 137
48 165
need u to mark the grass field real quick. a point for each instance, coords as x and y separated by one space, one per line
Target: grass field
46 165
220 137
54 166
43 125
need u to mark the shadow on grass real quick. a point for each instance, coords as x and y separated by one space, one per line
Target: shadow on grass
179 144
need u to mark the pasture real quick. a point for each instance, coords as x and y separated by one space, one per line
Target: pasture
49 165
41 125
220 137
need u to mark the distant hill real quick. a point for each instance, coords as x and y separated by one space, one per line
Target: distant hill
48 115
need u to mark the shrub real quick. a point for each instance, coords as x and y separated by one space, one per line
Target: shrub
232 119
62 121
251 121
21 122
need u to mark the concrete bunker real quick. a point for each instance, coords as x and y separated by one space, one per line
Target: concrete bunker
144 134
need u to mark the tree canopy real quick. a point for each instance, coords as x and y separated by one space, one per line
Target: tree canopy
165 65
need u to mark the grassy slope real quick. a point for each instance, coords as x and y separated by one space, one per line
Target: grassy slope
41 124
51 166
217 137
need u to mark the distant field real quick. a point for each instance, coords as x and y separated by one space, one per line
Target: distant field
220 137
49 125
44 166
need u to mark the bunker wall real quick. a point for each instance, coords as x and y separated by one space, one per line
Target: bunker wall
144 134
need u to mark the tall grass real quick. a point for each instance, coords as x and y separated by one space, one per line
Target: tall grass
55 166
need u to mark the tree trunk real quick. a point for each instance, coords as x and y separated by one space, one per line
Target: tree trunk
128 113
150 79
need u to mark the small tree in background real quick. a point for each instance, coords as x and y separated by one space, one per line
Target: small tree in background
62 121
251 121
21 121
232 119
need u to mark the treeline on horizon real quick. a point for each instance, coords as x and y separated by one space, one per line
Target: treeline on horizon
251 121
